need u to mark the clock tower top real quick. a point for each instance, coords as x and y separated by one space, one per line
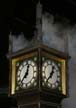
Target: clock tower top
38 74
38 32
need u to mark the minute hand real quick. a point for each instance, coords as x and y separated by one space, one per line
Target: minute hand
26 73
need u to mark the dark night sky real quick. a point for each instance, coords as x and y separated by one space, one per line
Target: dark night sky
12 9
9 11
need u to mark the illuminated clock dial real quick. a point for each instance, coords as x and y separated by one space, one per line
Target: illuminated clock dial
51 74
27 73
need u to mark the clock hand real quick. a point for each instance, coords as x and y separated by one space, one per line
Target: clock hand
26 73
51 73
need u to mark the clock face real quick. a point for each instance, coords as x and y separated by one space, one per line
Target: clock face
27 74
51 73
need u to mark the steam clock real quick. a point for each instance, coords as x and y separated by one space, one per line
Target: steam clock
38 74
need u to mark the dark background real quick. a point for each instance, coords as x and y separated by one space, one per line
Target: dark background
20 16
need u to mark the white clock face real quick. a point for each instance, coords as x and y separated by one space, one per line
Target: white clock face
51 73
27 73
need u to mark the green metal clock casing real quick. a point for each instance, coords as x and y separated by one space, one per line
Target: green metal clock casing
54 72
42 68
24 72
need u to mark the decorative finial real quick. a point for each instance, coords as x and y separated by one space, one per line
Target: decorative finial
39 21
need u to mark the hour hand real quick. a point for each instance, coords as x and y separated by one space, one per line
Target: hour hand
51 73
50 76
26 74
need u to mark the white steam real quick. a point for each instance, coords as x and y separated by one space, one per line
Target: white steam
19 42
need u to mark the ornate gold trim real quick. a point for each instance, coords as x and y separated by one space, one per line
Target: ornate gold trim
63 61
14 60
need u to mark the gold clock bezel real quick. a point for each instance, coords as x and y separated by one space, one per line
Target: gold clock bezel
63 69
13 68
